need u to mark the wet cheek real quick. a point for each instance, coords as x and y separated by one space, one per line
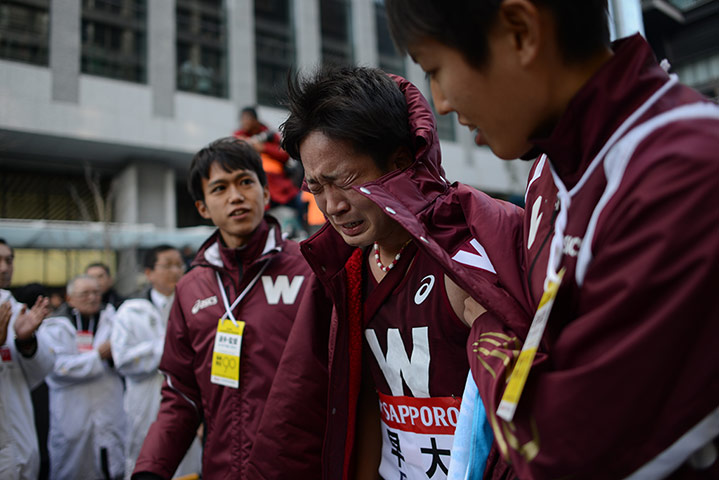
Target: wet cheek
321 203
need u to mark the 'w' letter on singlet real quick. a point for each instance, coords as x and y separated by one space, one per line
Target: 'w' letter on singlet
397 365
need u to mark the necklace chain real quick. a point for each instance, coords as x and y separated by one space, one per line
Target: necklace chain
389 267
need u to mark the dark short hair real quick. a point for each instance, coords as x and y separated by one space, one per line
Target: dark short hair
98 264
360 105
251 111
3 242
231 154
582 26
29 293
151 256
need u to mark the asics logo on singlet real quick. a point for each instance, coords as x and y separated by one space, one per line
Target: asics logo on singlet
203 303
424 289
282 288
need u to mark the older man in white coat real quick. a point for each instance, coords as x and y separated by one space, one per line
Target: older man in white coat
138 339
87 421
25 359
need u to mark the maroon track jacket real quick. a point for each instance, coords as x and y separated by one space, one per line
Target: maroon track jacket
475 238
230 415
629 362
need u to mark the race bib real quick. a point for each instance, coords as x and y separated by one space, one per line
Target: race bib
84 341
226 354
417 436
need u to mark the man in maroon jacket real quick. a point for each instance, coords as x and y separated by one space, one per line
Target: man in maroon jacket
374 369
620 239
229 321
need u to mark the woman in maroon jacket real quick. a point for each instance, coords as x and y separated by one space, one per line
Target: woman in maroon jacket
229 322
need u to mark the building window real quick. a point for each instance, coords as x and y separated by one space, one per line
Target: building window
335 29
202 47
35 196
114 39
274 49
53 267
389 58
24 31
445 123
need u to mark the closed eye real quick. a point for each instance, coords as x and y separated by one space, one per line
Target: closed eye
314 188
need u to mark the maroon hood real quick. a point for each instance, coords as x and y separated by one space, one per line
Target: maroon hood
426 172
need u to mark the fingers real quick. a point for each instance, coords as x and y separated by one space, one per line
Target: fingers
41 303
5 313
28 321
39 310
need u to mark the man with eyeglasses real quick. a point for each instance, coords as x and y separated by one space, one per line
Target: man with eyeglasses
138 340
87 421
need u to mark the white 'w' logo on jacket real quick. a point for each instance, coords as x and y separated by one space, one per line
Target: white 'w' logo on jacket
282 288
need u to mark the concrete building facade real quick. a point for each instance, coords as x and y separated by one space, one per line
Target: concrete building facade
103 103
121 93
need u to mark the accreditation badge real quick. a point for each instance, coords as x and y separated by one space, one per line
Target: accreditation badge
5 354
84 341
510 399
226 354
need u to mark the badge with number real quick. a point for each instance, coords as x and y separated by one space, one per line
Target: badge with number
226 354
84 341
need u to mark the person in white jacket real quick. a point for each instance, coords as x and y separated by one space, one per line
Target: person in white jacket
138 339
87 420
25 359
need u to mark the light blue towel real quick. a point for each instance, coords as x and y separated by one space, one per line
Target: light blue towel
473 437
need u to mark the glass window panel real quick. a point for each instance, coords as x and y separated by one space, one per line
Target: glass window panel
54 267
389 58
25 195
202 47
274 49
24 31
56 271
335 30
445 123
114 39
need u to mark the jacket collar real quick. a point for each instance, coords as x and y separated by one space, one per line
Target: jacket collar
618 88
265 240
